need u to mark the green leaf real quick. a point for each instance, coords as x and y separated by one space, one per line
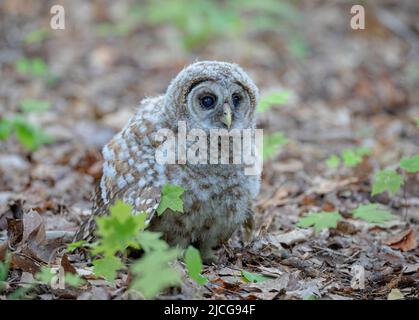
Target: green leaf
30 105
275 98
271 144
320 220
35 67
171 199
372 213
333 161
6 128
150 241
107 267
386 180
351 158
36 36
20 293
363 151
193 263
39 67
153 272
23 66
74 245
417 122
253 277
45 275
29 135
410 164
73 280
118 230
4 271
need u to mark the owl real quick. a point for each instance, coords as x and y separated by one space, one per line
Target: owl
218 197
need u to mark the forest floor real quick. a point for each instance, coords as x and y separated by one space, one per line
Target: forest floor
351 89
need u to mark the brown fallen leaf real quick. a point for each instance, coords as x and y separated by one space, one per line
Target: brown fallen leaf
67 266
406 241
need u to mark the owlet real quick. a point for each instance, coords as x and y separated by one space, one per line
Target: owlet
204 98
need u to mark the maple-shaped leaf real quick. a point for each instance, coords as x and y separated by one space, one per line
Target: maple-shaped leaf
320 220
107 267
118 230
193 264
351 158
386 180
372 213
333 161
253 277
410 164
151 241
171 198
153 273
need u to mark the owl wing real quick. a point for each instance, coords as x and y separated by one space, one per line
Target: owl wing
129 174
147 201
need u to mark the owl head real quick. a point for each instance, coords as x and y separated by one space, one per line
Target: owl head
212 95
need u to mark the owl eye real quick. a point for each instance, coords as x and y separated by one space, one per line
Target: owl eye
207 102
236 100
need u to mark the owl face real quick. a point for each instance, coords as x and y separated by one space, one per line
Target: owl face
220 104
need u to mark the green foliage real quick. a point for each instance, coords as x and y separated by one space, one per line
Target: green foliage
119 230
372 213
333 161
411 164
252 277
73 280
35 67
29 135
320 220
417 122
272 143
275 98
36 36
350 157
78 244
150 241
20 293
152 273
386 180
6 128
45 275
32 105
193 264
171 198
107 267
4 271
201 21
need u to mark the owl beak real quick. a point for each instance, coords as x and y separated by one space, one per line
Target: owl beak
227 115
